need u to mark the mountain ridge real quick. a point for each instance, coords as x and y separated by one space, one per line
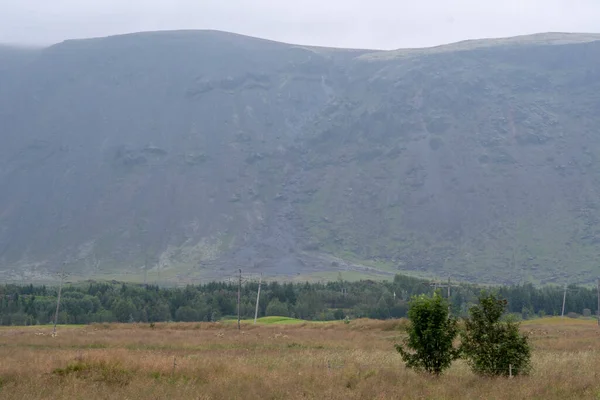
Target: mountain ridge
525 39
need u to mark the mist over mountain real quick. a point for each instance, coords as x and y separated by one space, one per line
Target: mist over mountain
174 156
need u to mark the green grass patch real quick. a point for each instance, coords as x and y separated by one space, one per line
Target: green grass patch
276 320
560 321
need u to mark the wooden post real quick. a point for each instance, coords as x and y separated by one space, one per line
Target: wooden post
257 300
239 298
510 375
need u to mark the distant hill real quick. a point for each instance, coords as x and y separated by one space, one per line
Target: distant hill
175 156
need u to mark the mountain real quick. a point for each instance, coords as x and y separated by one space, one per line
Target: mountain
176 156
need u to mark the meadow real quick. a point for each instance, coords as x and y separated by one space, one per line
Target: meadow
276 359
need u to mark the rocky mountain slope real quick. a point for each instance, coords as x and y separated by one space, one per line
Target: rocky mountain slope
175 156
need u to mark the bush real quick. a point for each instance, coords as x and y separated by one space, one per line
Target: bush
430 335
491 346
338 314
587 312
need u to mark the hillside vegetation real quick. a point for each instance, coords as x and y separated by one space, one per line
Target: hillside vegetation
174 156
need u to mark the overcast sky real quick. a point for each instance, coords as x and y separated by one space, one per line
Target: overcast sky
384 24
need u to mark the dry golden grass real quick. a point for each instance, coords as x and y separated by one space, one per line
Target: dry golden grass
318 361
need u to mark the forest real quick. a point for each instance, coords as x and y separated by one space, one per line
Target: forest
99 302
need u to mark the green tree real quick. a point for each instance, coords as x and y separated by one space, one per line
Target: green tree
492 346
124 310
158 312
277 308
186 314
430 335
307 305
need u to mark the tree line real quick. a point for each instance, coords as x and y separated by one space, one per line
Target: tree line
89 302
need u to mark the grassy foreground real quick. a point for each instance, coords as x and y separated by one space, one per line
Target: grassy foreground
276 361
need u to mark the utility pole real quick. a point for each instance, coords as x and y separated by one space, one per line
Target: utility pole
257 299
598 295
448 285
565 290
239 298
62 278
145 270
564 300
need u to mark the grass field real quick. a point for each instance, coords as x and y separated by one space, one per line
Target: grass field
272 360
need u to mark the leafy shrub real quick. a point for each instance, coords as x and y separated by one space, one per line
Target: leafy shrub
338 314
587 312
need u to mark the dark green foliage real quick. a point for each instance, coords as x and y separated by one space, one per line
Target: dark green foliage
105 302
124 310
186 314
490 345
277 308
430 335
